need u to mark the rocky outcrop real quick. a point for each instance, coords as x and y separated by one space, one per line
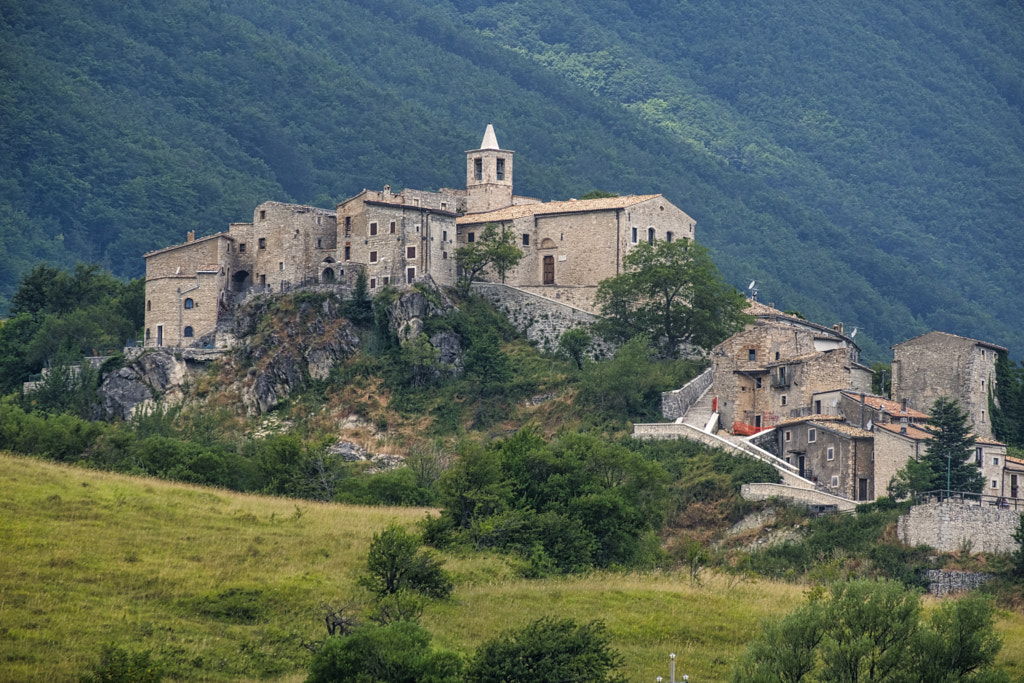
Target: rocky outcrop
410 315
154 374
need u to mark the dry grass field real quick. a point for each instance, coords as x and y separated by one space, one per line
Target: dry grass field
223 586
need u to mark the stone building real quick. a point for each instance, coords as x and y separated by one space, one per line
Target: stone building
938 364
835 455
772 370
863 409
398 238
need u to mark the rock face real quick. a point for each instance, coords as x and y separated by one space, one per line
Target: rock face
156 373
407 318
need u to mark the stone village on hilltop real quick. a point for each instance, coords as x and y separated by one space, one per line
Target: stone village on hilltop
785 390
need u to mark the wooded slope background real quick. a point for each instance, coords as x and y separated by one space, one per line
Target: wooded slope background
863 163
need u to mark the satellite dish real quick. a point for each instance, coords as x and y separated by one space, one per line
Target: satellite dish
751 285
854 333
868 427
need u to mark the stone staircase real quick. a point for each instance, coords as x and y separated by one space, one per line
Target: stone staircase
700 413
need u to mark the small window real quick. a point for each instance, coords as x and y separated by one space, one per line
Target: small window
752 355
444 235
348 253
348 225
263 243
373 257
373 283
319 241
478 169
188 331
500 170
789 435
995 461
835 481
668 236
979 456
444 206
784 398
318 220
263 214
410 252
471 237
526 239
983 416
147 334
776 355
392 227
280 265
387 281
812 435
263 279
634 235
189 303
757 382
650 236
995 484
444 255
373 229
241 248
830 454
410 275
149 305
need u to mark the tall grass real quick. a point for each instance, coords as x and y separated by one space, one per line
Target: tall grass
225 586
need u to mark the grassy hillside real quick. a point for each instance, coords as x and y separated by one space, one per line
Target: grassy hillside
224 586
861 163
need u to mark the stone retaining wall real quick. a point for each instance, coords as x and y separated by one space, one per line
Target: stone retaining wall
674 404
543 320
795 494
952 526
942 583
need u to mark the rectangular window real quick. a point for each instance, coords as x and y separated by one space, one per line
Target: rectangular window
373 283
444 206
471 237
392 227
263 217
348 253
634 235
387 281
263 243
348 225
789 435
812 435
526 239
444 235
835 481
410 252
995 461
757 382
501 169
373 257
752 355
280 265
478 169
241 248
373 228
444 255
830 454
995 484
979 456
410 275
983 416
784 399
319 243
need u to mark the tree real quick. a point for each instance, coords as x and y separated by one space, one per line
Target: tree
398 652
491 249
868 632
948 459
575 343
670 291
548 650
398 562
1018 555
1007 404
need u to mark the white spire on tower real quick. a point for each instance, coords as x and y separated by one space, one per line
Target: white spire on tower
490 140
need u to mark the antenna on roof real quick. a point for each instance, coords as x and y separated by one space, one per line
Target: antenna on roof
753 292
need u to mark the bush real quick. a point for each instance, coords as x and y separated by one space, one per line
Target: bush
121 666
398 562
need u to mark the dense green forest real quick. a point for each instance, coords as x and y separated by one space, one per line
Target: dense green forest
862 163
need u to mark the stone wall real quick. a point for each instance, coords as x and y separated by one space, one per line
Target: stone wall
948 527
795 494
674 404
942 583
543 320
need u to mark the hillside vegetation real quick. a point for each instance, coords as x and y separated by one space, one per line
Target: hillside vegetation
862 163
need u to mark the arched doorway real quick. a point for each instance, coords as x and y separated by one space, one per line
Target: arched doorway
240 281
327 276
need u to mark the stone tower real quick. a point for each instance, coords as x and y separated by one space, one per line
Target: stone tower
488 175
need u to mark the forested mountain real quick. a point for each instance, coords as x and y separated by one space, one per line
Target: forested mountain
863 162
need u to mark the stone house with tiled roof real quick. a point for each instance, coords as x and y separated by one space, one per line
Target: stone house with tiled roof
938 364
837 456
398 238
772 369
865 409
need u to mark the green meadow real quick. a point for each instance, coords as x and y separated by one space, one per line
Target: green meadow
222 586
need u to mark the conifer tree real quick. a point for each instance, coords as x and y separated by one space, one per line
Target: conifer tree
951 449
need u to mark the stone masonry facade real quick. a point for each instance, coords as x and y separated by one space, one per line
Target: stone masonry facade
952 526
396 239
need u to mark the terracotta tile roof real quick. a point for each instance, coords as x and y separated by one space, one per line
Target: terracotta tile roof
1010 460
986 344
847 429
810 418
572 206
185 244
894 408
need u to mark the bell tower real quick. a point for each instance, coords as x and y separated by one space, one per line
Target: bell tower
488 175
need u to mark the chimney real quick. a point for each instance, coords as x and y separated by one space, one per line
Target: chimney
862 408
903 405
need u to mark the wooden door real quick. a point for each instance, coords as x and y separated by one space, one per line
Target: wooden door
549 270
